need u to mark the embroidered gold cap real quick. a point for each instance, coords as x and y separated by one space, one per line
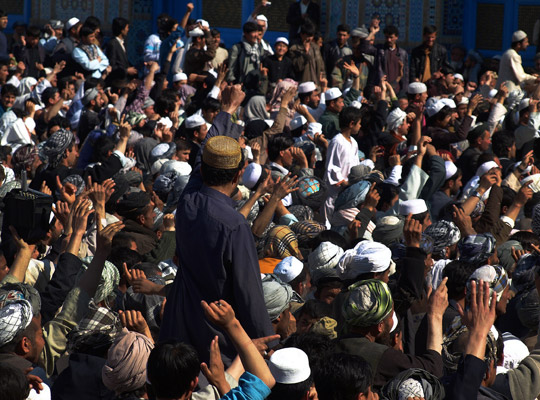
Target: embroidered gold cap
222 152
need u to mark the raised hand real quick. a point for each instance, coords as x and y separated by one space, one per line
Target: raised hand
215 370
219 313
412 231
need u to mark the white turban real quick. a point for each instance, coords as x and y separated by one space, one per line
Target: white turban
395 119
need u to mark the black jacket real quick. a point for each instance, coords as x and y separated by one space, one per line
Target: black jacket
295 20
438 59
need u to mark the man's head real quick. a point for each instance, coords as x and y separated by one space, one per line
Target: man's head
251 32
262 21
311 312
222 162
290 367
196 128
458 273
9 93
418 209
4 71
210 109
172 370
307 31
350 118
497 279
429 35
334 100
369 310
277 298
26 158
3 20
445 235
391 35
504 144
138 207
73 26
453 178
396 121
120 27
417 92
520 41
344 376
309 94
32 36
282 46
87 35
279 150
342 34
480 137
183 149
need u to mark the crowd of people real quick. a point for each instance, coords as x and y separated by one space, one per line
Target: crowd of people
305 219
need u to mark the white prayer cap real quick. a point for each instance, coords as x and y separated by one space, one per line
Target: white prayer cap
306 87
288 269
289 366
282 39
197 32
160 149
518 36
332 94
180 77
458 76
524 103
464 100
415 206
395 119
451 169
156 166
356 104
71 23
514 351
364 258
194 121
313 128
181 168
486 167
448 102
297 122
434 108
251 175
166 122
203 22
261 17
416 88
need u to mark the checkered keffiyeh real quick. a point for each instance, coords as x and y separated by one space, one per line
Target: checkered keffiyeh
15 316
444 234
306 230
412 383
535 224
282 242
476 248
98 329
323 260
56 145
410 388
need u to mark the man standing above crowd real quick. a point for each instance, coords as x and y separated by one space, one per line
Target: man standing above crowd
428 58
392 61
510 68
337 49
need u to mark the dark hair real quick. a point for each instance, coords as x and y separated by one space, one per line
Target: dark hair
123 254
343 377
171 368
57 120
329 236
476 133
387 192
526 239
501 141
216 176
214 32
308 28
429 29
508 196
169 24
315 309
277 144
165 104
86 31
48 94
250 27
290 391
182 144
5 151
343 28
211 104
8 88
317 347
101 148
93 22
299 279
3 13
13 382
118 25
148 268
33 31
457 175
391 30
439 116
348 115
458 273
122 239
64 82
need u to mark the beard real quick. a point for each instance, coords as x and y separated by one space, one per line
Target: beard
384 338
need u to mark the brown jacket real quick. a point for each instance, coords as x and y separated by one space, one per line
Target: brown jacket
308 66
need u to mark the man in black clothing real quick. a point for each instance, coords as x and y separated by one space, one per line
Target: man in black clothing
30 53
434 53
116 48
336 49
298 13
279 65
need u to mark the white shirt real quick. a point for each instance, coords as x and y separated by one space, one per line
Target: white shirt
342 155
510 69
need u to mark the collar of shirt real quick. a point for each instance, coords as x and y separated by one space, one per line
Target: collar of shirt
121 41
